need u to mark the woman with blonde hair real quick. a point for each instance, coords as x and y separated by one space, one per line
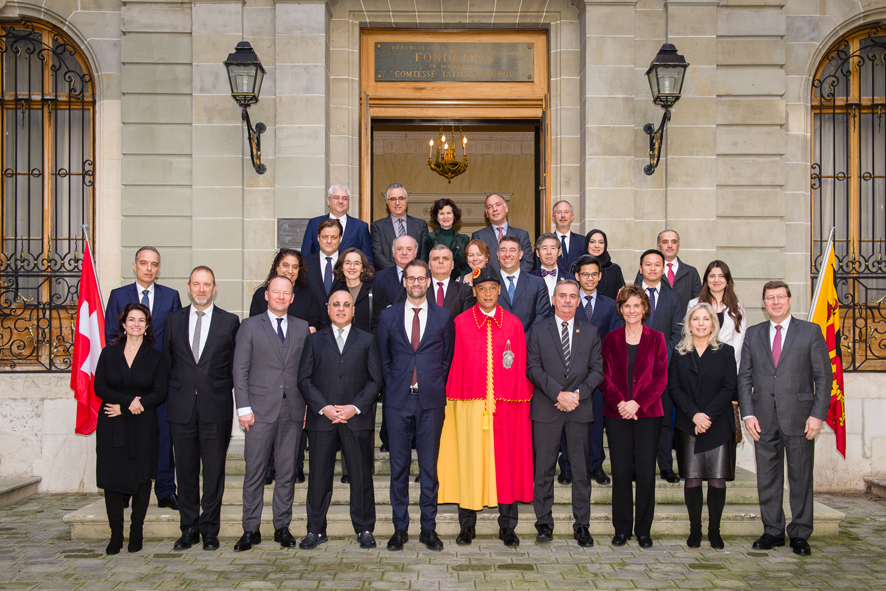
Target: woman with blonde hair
702 383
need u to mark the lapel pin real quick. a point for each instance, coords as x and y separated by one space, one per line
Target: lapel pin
577 330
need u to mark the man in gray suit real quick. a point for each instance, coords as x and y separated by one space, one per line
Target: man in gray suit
785 381
387 229
270 408
565 364
497 212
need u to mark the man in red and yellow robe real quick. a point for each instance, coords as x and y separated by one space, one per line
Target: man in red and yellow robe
486 446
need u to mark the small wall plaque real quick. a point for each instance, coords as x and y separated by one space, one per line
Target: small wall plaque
291 232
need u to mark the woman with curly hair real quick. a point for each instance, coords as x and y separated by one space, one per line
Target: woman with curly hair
445 213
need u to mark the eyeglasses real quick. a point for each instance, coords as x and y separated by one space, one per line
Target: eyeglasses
776 298
396 199
344 305
413 280
340 198
352 264
589 275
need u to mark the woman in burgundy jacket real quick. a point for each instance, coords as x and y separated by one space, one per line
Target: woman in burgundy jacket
635 374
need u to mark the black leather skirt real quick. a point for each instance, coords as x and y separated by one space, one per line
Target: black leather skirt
715 463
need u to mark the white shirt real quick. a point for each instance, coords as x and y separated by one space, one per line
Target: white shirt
434 287
140 288
570 323
285 325
333 256
204 326
784 331
550 282
490 314
343 220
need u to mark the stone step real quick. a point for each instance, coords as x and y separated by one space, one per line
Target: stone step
875 485
91 522
743 491
16 488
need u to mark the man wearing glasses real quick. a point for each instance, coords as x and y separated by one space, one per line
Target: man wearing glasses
355 232
416 340
389 228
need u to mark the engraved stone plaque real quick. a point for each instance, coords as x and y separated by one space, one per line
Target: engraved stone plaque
291 232
415 61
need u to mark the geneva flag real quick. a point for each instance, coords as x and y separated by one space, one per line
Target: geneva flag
88 344
825 312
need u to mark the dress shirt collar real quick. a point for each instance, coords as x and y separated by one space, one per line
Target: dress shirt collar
657 288
585 297
434 285
274 318
207 312
346 330
675 264
504 227
343 220
505 281
560 321
783 324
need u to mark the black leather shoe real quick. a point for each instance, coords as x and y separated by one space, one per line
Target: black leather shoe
384 447
768 542
565 477
345 479
269 476
620 539
465 536
311 541
210 542
670 476
644 541
299 475
801 547
190 536
169 502
544 535
600 476
430 539
418 478
366 539
285 537
247 541
400 537
509 537
584 537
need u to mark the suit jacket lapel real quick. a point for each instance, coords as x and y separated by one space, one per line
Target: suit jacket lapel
520 287
271 333
349 342
182 328
211 336
329 336
789 338
767 345
349 229
558 341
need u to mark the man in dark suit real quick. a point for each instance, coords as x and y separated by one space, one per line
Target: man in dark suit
386 229
199 350
497 212
404 250
547 251
523 295
455 296
667 318
565 364
355 231
340 378
572 245
601 312
677 275
784 391
270 408
320 279
416 340
160 300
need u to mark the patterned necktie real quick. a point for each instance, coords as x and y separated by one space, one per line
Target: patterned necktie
564 340
280 330
401 228
195 342
440 296
501 233
563 254
340 340
776 345
511 288
546 273
589 308
146 301
651 291
327 280
414 341
671 274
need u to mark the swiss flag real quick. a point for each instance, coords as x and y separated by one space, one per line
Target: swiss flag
88 344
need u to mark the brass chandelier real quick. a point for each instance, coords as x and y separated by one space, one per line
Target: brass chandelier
446 165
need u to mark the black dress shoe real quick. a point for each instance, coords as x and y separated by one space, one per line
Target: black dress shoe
565 477
269 476
465 536
366 539
544 535
584 537
345 479
644 541
299 475
768 542
190 536
285 537
169 502
600 476
400 537
430 539
620 539
247 541
801 547
210 542
509 537
670 476
384 447
418 478
311 541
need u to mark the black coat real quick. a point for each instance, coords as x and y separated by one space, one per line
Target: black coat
366 315
303 305
126 446
707 384
611 281
459 297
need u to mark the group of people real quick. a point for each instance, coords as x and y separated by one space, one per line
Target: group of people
494 361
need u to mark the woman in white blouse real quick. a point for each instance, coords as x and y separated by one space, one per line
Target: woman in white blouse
718 290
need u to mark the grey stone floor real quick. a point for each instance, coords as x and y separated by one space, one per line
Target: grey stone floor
36 553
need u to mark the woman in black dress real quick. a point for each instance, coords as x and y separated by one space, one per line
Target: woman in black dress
702 383
353 271
289 263
131 380
611 278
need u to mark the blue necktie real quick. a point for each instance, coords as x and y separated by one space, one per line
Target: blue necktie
651 291
146 301
511 288
563 254
327 280
280 330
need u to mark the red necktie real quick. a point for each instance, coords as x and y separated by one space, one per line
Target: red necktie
671 274
776 345
440 293
500 233
416 339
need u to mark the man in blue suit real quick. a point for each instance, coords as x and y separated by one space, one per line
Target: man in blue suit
601 312
492 235
355 232
572 245
404 251
415 340
547 251
523 295
160 300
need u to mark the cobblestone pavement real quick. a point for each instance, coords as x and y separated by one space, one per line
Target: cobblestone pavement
36 553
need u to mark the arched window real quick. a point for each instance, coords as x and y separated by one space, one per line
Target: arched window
47 128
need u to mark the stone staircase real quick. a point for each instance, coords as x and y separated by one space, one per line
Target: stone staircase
741 516
16 488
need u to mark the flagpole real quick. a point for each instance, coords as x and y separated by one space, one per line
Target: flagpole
821 274
83 228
